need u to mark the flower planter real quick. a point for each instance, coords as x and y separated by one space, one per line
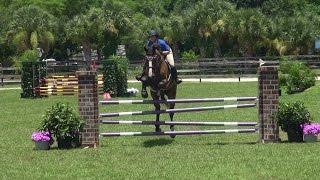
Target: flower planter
310 138
42 145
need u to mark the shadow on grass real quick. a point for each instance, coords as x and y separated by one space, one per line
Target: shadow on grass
230 143
157 142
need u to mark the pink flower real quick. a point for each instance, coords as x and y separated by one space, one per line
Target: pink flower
313 128
41 136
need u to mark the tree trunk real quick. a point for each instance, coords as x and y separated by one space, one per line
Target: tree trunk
176 51
248 50
202 51
87 54
99 54
216 48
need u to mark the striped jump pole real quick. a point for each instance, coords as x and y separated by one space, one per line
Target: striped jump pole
165 133
180 123
144 101
195 109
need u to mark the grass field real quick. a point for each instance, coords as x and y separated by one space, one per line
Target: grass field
228 156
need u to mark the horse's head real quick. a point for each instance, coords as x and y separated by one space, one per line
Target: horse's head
152 61
153 65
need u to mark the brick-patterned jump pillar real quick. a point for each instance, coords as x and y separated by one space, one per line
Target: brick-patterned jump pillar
268 103
88 107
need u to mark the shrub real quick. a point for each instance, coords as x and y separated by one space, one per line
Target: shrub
189 56
62 121
31 76
27 56
115 72
296 76
290 117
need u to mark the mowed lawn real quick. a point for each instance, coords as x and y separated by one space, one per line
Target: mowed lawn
226 156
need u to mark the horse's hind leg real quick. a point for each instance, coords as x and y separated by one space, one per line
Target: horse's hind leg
171 106
157 108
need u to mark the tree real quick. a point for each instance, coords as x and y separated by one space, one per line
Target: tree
30 28
87 30
249 27
207 21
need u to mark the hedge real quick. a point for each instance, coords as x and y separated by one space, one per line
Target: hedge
31 76
115 72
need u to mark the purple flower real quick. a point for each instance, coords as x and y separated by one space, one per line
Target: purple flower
313 128
41 136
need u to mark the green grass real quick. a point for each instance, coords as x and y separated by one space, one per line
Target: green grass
228 156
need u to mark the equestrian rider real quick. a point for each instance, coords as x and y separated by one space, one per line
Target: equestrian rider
166 51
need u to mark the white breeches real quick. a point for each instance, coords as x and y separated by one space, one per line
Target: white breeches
169 58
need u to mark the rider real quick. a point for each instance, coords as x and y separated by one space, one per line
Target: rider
166 51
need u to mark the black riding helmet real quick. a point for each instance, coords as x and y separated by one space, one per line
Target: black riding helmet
153 33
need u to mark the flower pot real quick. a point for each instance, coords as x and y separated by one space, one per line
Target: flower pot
295 135
310 138
42 145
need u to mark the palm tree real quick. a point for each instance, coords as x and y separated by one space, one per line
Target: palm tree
249 27
208 21
31 28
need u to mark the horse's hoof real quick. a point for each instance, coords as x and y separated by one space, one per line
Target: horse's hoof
144 93
158 130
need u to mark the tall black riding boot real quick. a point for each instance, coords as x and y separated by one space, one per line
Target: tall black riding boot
174 74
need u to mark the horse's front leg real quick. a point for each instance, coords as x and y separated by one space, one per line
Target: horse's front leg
144 92
144 81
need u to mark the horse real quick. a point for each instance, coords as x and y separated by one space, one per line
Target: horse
156 76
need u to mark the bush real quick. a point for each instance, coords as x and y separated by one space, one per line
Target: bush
31 76
189 56
27 56
62 121
290 117
115 72
296 76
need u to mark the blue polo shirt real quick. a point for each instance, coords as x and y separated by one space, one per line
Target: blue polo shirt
162 43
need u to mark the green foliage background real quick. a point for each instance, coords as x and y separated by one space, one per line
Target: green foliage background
209 28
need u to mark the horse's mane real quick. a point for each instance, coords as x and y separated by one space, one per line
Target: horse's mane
154 50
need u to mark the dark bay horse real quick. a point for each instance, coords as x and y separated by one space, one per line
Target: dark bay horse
156 76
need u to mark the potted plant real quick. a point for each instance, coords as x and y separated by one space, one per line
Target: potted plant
290 117
64 124
310 132
42 140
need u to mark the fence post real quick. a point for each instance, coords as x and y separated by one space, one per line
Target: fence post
88 107
1 75
268 103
